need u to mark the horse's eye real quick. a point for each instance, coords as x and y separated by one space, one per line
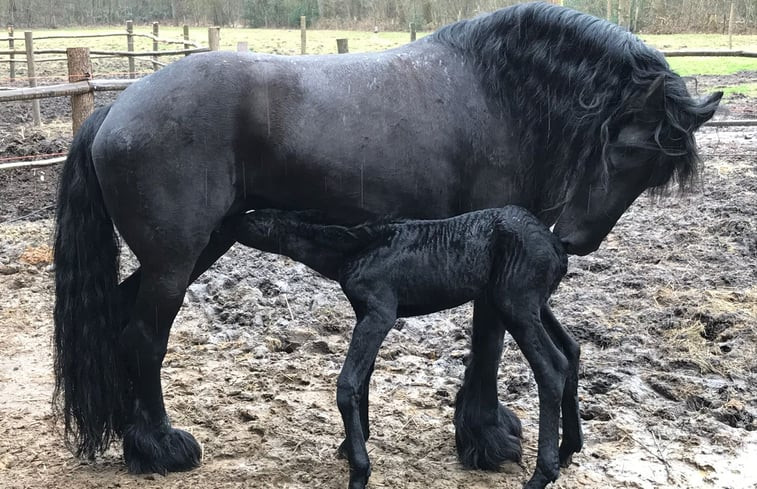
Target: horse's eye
632 157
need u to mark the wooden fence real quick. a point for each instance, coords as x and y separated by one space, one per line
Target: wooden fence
189 47
30 55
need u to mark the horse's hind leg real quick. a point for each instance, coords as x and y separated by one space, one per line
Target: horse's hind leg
167 267
220 242
154 294
486 432
572 436
150 443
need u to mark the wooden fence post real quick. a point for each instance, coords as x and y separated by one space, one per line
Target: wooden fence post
31 73
130 47
341 46
303 34
155 47
11 44
80 69
243 46
186 37
412 31
730 27
214 38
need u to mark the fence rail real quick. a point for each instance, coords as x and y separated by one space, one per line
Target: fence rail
64 89
710 53
117 53
27 55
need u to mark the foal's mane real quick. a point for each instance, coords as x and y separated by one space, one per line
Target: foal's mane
568 81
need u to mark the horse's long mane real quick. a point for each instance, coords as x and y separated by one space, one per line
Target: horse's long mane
567 80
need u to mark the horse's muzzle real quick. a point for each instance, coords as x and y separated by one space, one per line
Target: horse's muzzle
578 247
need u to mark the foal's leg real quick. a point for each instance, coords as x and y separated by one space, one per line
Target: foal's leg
572 436
364 402
550 369
486 432
370 331
364 392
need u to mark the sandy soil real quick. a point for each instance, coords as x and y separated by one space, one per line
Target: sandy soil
665 311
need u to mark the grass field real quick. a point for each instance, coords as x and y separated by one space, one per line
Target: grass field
287 42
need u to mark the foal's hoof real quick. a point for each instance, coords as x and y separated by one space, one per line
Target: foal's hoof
359 477
160 451
341 452
543 477
486 446
566 453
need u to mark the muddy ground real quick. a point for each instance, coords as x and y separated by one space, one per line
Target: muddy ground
665 311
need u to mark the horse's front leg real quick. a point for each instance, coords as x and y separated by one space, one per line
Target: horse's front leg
572 435
550 369
371 329
486 432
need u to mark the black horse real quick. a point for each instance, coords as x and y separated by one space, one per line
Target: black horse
504 259
559 112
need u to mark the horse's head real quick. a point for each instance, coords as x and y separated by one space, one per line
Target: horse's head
646 146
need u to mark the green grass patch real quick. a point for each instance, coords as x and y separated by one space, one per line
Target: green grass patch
688 66
700 41
748 89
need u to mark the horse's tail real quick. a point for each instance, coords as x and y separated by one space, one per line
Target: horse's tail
90 390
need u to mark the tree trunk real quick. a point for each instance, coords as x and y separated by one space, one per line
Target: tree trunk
624 13
638 5
730 28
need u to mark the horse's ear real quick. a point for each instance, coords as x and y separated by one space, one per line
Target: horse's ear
707 109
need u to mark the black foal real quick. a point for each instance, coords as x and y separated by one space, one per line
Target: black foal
503 259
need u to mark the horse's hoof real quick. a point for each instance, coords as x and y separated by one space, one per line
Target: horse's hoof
487 446
160 451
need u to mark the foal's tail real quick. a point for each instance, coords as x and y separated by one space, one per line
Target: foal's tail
90 389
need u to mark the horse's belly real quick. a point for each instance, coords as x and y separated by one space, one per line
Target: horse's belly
357 189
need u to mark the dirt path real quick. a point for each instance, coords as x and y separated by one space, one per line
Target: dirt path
666 312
